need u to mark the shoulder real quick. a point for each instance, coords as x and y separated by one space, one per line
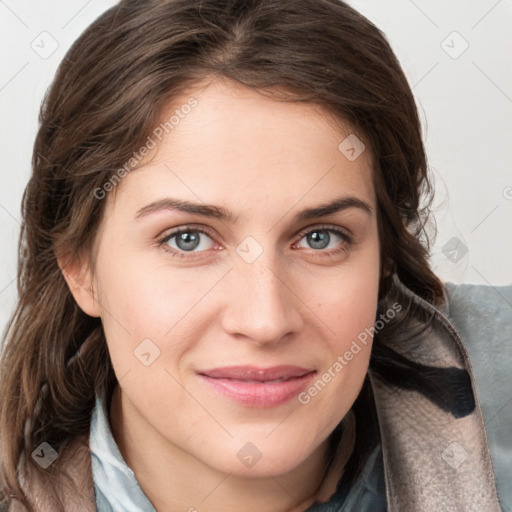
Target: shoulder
482 315
471 302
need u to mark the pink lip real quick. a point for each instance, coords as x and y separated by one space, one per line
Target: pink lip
259 387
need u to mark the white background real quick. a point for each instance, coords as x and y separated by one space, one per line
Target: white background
465 101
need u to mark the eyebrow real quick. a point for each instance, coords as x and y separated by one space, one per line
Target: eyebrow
339 204
218 212
206 210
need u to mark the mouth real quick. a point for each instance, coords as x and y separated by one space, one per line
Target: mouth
258 387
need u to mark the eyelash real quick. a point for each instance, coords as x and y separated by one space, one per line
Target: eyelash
346 240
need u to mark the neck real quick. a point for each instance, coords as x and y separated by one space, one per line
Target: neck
163 472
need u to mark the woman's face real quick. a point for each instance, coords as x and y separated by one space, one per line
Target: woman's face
236 342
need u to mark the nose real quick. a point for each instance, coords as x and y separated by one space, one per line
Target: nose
261 304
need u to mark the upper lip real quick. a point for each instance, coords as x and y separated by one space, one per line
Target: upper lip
253 373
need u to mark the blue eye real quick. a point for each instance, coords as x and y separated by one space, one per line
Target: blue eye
321 238
187 240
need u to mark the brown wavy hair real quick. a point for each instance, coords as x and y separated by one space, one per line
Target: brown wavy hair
106 99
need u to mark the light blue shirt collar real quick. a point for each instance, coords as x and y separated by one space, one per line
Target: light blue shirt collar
115 484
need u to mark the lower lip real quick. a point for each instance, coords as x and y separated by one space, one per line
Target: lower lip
259 394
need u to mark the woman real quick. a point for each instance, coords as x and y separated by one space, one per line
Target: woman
225 298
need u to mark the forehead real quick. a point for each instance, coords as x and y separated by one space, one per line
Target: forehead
238 145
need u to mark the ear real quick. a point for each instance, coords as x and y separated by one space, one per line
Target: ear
78 277
387 267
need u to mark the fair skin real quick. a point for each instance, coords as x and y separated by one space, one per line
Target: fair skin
298 303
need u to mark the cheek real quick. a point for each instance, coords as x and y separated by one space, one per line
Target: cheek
345 357
146 300
348 309
355 313
350 347
349 305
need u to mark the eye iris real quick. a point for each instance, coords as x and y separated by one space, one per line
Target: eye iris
187 241
318 239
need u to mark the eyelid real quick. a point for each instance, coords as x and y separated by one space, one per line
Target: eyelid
168 234
327 227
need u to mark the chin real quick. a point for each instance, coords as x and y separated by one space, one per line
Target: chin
262 456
